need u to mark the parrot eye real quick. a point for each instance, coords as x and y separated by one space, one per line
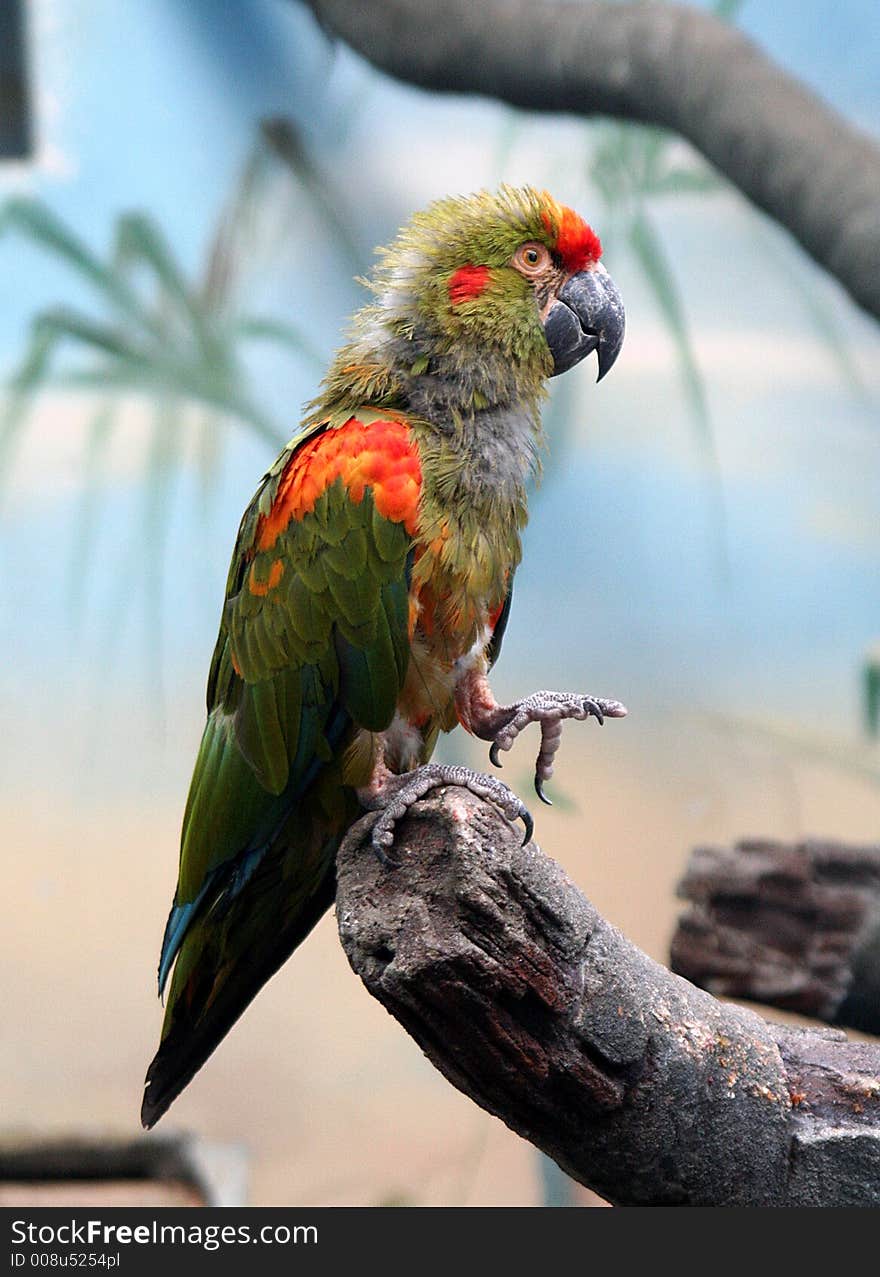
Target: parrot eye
531 259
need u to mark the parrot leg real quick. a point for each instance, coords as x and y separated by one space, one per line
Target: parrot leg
501 724
393 796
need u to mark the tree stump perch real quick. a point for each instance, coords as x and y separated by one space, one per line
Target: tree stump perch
639 1085
793 926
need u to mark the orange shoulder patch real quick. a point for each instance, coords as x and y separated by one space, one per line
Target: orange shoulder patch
379 455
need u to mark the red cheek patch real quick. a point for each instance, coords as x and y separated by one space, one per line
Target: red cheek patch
467 282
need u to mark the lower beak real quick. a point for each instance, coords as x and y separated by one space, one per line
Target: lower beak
587 315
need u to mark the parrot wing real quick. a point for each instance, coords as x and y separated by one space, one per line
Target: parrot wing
313 645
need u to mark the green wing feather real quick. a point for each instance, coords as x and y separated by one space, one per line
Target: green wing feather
319 651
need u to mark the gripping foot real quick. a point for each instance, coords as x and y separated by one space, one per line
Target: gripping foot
399 793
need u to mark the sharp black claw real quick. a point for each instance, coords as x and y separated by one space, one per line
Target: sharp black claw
539 790
526 818
386 861
593 708
493 755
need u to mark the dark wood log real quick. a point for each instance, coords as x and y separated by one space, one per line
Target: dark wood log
639 1085
791 925
663 64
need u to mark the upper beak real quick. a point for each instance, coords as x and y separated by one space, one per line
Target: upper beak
587 315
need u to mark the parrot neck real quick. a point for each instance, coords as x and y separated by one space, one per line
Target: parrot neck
465 385
393 362
481 438
483 459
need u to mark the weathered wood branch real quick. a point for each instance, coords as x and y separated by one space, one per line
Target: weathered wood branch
794 926
638 1084
662 64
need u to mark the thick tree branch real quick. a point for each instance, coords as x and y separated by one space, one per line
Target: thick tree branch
636 1083
793 926
668 65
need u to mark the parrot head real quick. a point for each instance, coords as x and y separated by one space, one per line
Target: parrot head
513 269
478 301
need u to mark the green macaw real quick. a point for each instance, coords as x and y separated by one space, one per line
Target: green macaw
369 591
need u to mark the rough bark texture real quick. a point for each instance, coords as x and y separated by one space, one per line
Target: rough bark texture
639 1085
669 65
793 926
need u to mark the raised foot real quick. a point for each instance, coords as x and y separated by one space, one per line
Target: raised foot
550 709
399 793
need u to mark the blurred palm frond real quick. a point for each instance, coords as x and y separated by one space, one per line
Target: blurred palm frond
817 311
176 342
631 166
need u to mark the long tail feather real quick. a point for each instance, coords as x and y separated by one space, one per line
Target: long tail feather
210 989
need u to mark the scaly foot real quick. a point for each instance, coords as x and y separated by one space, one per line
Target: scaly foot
549 710
399 793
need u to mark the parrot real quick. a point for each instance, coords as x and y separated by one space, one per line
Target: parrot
369 591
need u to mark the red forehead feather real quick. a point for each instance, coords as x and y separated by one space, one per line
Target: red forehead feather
576 243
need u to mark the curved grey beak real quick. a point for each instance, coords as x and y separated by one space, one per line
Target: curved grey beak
587 315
